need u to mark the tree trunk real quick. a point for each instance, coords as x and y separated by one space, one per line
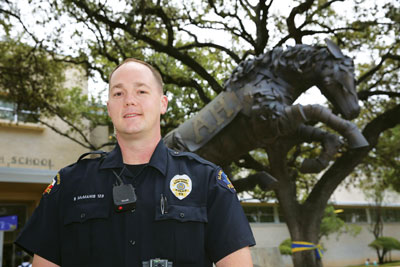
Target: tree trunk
306 258
378 253
307 233
381 256
303 220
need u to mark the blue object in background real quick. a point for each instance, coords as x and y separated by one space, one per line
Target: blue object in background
8 223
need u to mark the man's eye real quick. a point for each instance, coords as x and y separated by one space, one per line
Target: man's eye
142 92
118 94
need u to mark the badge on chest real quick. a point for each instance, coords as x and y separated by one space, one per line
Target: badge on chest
181 186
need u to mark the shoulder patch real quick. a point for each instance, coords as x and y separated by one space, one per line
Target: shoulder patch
224 181
53 186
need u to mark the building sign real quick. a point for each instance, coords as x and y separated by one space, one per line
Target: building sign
24 161
8 223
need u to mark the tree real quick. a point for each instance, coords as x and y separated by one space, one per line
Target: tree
383 245
179 39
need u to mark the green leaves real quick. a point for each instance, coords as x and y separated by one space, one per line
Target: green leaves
385 243
286 247
29 77
35 81
331 223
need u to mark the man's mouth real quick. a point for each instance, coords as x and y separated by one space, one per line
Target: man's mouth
131 115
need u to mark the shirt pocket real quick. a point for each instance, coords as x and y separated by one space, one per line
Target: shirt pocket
84 233
180 234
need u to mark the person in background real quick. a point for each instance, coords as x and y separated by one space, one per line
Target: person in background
26 261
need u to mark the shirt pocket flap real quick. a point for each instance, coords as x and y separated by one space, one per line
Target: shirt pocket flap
86 211
183 214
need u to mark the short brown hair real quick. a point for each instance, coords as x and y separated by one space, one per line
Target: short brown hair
155 72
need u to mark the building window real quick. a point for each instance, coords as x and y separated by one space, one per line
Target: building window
258 213
10 111
388 214
280 214
391 215
353 215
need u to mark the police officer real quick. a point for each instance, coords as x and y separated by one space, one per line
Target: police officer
142 201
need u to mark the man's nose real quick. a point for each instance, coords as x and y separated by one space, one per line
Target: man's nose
130 99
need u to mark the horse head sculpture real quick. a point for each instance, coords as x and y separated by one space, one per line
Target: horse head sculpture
296 69
336 81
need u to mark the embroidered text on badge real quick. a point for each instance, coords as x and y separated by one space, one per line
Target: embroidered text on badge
181 186
88 196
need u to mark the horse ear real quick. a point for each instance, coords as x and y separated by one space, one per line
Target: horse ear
334 49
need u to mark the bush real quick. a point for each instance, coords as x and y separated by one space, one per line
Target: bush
286 247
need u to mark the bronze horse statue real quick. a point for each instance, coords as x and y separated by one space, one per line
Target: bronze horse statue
255 109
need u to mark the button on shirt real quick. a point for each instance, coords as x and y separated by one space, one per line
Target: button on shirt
76 222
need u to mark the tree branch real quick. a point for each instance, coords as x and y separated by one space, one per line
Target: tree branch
293 31
377 67
187 83
364 95
157 46
70 124
21 22
261 25
213 45
242 33
90 146
160 12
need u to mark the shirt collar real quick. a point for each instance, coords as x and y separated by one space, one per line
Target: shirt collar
158 160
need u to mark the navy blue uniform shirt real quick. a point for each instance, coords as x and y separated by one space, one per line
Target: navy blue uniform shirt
200 221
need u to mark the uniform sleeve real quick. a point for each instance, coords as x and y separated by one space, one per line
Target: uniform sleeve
40 235
228 229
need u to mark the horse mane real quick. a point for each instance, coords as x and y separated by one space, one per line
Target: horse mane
298 58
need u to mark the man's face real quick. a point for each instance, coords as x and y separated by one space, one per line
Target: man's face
135 101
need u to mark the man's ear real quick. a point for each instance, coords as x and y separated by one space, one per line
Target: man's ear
164 104
108 112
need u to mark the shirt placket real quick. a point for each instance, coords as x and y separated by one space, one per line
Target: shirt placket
132 252
131 223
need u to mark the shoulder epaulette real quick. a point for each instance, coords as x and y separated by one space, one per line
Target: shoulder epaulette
97 152
192 156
